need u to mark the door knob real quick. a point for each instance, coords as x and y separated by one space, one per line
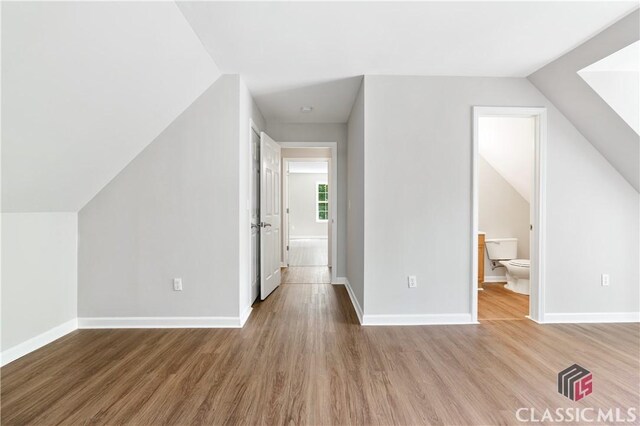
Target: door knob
264 224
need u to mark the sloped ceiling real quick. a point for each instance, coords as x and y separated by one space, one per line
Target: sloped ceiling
86 86
616 79
507 144
560 82
293 54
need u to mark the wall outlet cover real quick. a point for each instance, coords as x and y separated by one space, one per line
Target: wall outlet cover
177 284
413 281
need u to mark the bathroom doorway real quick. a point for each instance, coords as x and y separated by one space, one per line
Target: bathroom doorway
508 213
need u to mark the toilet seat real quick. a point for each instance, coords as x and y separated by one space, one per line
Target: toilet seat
522 263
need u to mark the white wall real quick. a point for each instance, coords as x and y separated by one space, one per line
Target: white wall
355 213
39 274
502 213
418 202
327 132
302 206
172 212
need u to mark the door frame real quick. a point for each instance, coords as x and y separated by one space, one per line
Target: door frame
333 194
538 208
285 202
253 127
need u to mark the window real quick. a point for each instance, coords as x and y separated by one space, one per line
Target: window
322 202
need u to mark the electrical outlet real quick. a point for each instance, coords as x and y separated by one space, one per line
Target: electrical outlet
604 280
177 284
413 281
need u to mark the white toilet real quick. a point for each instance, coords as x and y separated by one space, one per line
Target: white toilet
504 251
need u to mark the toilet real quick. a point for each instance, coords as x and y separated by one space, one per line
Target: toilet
504 251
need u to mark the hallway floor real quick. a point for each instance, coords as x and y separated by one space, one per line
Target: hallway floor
308 252
306 275
302 358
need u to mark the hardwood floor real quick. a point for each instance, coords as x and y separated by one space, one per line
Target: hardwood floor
302 358
306 275
497 303
308 252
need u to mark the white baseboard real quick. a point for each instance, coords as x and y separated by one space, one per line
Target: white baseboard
592 317
37 342
163 322
245 316
339 281
352 296
427 319
495 279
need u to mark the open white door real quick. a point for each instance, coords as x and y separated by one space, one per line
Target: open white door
270 215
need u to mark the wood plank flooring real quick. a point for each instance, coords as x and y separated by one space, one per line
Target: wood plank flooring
302 358
306 275
497 303
308 252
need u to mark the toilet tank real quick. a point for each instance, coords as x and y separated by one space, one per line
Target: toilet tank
501 248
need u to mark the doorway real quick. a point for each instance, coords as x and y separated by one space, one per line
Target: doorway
309 212
306 199
508 213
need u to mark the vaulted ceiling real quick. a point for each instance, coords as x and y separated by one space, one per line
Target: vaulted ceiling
294 54
87 85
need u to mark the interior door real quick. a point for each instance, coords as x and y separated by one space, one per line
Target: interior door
270 215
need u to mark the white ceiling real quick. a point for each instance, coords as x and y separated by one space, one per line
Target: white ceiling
507 143
317 167
86 86
293 54
616 78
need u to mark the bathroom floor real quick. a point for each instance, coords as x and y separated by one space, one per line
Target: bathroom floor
497 303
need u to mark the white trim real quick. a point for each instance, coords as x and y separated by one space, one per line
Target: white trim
245 316
428 319
354 299
495 279
339 281
253 291
333 195
162 322
38 341
592 317
538 240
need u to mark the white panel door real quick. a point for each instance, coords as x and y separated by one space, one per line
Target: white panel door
270 215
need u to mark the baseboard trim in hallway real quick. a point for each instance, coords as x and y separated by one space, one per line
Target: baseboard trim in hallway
164 322
430 319
591 317
352 297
